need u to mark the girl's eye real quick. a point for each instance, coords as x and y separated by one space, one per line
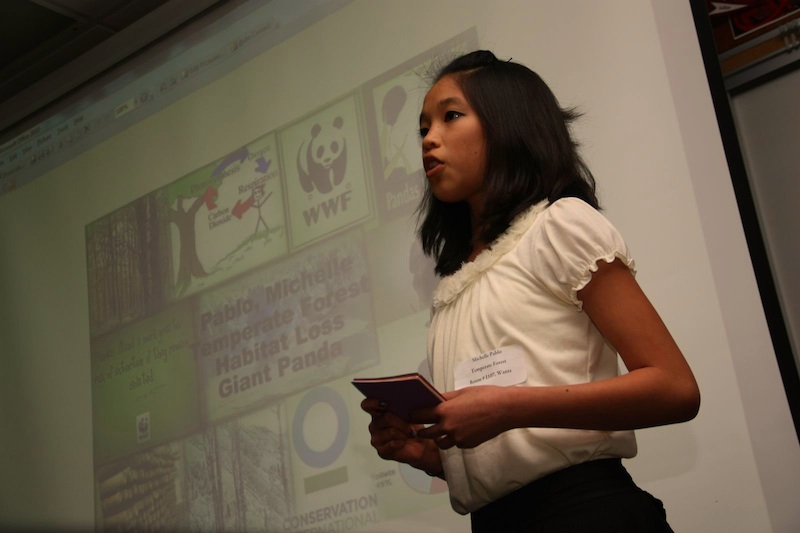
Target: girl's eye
450 115
423 132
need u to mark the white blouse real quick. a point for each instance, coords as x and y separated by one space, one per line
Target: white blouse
522 292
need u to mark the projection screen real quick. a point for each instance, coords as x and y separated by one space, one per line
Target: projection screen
230 308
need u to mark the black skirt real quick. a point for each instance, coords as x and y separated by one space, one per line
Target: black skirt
593 497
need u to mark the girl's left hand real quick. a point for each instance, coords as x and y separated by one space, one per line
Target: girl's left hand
469 417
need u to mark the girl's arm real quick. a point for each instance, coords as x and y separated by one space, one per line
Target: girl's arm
658 389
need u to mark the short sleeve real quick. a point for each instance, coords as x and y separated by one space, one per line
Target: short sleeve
572 238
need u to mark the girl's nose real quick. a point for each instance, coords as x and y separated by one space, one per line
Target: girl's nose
430 140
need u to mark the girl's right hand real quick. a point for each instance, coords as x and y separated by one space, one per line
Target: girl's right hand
395 440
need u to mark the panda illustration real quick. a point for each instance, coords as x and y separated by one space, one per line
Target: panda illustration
322 160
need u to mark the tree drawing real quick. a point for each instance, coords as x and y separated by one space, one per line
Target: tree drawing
189 265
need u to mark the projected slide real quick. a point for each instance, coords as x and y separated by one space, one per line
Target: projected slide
226 217
230 308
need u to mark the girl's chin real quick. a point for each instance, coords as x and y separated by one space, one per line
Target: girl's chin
444 194
448 196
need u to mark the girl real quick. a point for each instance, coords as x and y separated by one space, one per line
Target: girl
537 298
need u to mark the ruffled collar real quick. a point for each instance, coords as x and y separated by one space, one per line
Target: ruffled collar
452 286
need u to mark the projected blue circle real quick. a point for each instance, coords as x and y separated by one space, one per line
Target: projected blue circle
313 458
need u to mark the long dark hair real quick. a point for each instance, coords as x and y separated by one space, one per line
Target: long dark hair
530 156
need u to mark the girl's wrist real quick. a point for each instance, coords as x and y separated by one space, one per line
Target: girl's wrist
431 462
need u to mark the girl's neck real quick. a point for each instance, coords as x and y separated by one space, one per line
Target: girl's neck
477 242
477 248
477 231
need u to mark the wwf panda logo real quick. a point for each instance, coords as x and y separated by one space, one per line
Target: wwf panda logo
322 159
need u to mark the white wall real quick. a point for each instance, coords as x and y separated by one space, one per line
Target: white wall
769 423
649 135
768 123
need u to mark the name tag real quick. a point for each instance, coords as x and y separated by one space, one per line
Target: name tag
502 366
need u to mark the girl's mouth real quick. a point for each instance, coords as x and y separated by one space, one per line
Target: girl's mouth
431 165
